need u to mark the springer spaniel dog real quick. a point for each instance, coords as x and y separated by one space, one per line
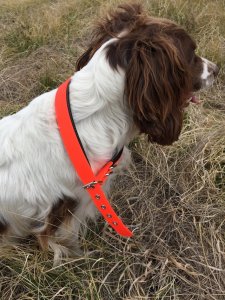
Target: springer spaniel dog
137 76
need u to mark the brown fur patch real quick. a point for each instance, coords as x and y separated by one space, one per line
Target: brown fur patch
60 213
124 18
3 227
160 64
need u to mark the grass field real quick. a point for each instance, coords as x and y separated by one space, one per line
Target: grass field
173 197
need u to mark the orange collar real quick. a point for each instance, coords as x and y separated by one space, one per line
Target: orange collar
73 146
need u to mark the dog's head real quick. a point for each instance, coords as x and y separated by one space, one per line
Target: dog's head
162 70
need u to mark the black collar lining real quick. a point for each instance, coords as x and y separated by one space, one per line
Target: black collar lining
115 157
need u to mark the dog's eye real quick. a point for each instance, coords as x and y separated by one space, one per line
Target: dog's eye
193 58
192 54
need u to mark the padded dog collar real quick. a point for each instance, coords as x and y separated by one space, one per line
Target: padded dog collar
72 143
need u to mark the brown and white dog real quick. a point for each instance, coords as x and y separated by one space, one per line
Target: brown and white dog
137 76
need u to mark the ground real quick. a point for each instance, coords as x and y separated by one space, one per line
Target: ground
173 197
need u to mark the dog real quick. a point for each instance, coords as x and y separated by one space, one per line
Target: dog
137 76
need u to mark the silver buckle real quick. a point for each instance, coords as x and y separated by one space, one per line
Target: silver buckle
91 185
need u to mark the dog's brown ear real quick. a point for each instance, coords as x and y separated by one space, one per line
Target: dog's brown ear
124 18
157 87
157 82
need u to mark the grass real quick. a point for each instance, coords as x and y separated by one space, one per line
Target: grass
174 197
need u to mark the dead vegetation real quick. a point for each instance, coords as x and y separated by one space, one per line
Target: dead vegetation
173 197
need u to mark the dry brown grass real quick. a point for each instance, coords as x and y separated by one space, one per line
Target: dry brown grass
173 197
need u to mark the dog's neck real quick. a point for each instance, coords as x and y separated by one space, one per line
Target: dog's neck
103 121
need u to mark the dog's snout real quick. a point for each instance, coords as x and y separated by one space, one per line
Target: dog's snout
215 70
209 73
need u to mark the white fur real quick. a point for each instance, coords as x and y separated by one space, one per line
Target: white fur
208 72
205 71
35 170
